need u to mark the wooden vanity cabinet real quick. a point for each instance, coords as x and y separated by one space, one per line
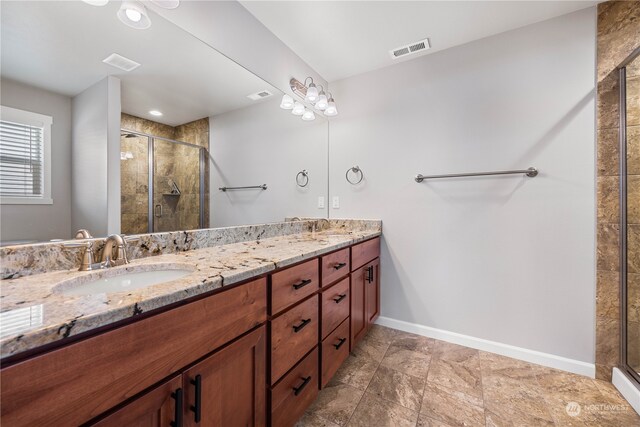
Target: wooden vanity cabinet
365 288
156 408
226 388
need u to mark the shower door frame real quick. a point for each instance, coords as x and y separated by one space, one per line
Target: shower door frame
622 135
202 156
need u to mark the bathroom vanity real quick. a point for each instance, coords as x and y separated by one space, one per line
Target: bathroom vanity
248 338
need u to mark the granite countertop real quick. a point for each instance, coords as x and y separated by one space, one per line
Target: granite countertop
34 312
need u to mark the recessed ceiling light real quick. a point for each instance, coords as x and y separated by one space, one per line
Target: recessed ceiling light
155 113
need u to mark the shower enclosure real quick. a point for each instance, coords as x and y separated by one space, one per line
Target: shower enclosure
163 184
629 132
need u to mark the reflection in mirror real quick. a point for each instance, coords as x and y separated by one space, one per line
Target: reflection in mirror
119 130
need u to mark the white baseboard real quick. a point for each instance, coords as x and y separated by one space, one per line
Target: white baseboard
532 356
626 388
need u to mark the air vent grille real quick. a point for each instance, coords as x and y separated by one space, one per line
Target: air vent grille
259 95
410 49
121 62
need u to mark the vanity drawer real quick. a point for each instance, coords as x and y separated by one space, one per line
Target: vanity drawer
291 397
364 252
293 334
293 284
335 306
335 266
335 350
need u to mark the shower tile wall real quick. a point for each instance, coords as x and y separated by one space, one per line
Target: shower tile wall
618 36
173 162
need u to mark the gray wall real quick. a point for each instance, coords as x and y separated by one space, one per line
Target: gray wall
96 173
506 259
42 222
264 144
233 31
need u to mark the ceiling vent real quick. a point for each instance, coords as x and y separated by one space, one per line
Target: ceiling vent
121 62
410 49
259 95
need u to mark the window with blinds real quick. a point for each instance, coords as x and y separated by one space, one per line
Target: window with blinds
24 151
21 160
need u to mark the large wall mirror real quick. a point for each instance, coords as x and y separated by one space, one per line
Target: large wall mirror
119 130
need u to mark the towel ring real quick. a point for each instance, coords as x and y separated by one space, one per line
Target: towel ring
304 174
354 169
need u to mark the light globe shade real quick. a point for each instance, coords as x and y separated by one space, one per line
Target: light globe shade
312 94
308 115
322 102
331 109
96 2
287 102
134 15
298 109
166 4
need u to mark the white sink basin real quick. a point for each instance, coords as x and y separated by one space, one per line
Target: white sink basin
120 281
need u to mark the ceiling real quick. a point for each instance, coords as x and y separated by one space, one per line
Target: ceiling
346 38
60 45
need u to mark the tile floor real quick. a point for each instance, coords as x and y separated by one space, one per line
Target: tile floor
398 379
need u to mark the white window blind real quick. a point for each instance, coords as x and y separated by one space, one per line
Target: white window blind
21 160
25 146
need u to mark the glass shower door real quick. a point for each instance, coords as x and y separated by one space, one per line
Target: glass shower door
134 178
176 186
630 150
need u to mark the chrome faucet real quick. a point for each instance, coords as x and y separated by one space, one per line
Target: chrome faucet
324 221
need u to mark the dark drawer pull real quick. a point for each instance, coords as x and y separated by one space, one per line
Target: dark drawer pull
340 342
177 395
302 284
340 298
197 408
298 390
370 274
297 328
339 265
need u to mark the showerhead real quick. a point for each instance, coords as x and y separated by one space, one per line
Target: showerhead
129 135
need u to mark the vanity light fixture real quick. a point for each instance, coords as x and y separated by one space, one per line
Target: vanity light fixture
322 102
134 14
331 109
308 115
298 109
312 91
287 102
155 113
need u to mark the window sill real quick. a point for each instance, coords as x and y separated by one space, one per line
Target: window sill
25 201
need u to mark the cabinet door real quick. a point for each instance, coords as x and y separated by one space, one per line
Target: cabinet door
372 290
228 387
156 408
358 314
